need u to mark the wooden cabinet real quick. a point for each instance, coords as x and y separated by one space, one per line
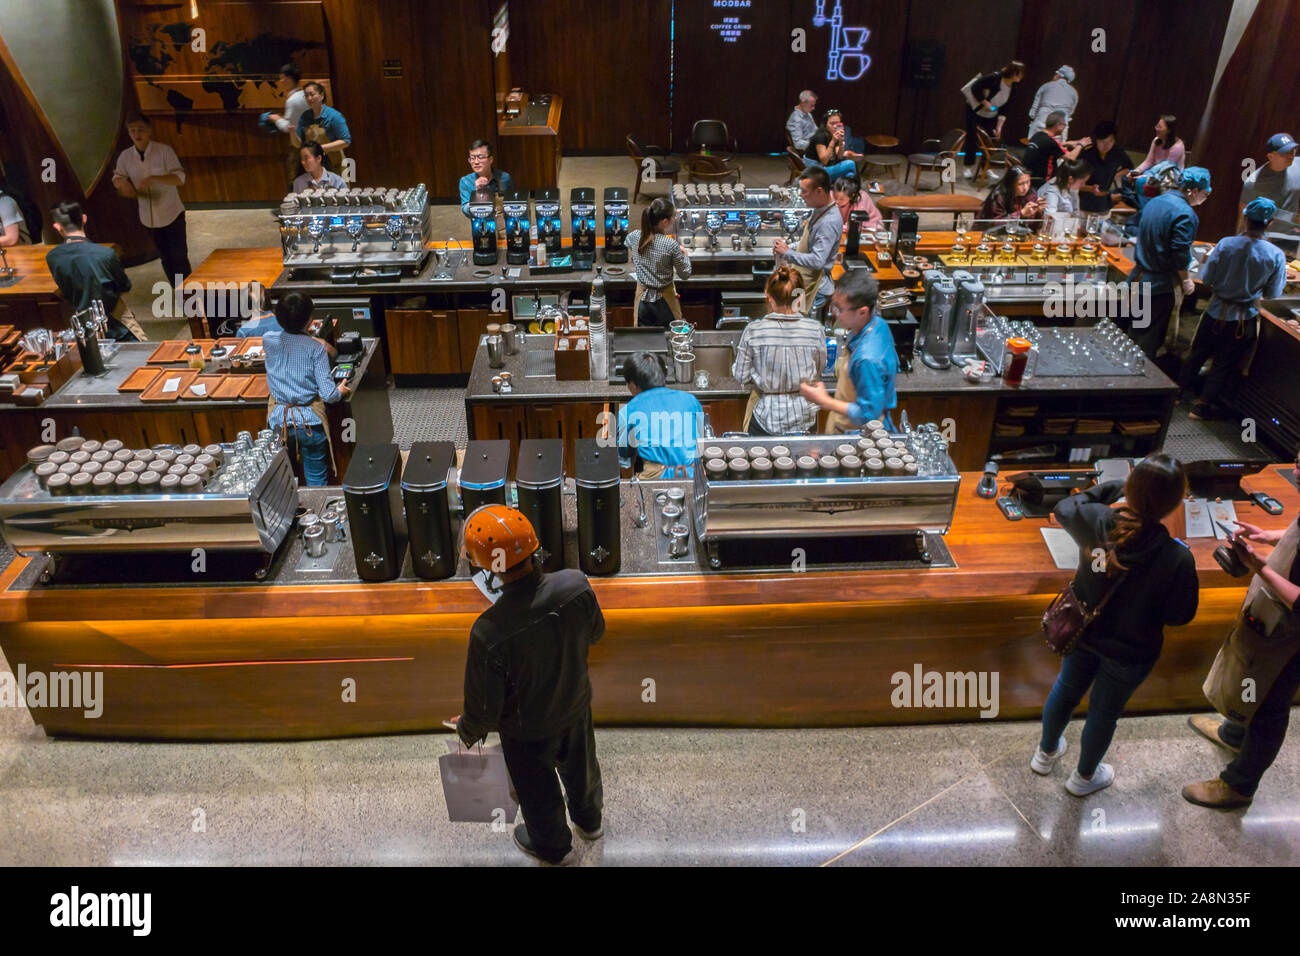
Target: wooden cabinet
424 342
621 317
568 422
972 416
725 415
473 323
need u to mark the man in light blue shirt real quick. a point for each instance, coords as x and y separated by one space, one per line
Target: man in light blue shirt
663 424
1240 271
496 182
873 360
801 124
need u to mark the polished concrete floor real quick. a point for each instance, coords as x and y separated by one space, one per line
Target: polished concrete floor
958 794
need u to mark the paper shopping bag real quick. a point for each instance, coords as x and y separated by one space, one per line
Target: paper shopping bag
477 785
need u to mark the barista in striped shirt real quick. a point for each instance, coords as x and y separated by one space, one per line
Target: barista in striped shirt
777 354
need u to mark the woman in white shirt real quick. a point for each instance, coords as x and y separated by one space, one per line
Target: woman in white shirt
1060 194
316 175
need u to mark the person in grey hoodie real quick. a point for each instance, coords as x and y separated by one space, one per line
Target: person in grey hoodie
1154 577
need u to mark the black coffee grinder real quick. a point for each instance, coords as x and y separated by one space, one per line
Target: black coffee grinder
857 222
616 207
483 229
582 215
428 517
515 206
483 474
538 478
372 489
546 207
902 233
599 527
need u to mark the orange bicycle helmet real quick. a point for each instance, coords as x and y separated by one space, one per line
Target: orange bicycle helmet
498 538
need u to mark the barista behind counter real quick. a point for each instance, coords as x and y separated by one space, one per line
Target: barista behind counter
662 424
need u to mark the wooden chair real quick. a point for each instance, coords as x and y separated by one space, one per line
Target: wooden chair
994 155
713 134
945 148
699 166
794 161
663 166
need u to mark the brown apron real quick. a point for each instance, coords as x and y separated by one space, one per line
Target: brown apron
837 424
293 416
811 277
668 293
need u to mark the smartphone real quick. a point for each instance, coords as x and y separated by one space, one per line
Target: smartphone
1228 532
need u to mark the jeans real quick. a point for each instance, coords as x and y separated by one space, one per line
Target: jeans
1113 683
845 167
533 765
313 445
818 310
1263 737
1229 343
173 249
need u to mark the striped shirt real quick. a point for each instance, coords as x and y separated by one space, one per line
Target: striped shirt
297 373
775 355
654 267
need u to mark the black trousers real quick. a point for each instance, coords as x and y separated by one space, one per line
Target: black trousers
173 249
1263 738
533 765
655 313
1153 336
1229 343
972 145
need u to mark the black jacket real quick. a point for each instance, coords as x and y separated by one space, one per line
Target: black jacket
526 674
986 87
1160 588
85 271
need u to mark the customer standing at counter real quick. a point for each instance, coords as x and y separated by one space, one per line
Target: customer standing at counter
1108 163
662 424
985 95
1153 577
526 677
1163 253
483 175
775 356
323 124
1278 180
1274 645
864 387
85 271
1055 95
819 244
315 175
149 172
656 257
298 376
1240 271
1012 198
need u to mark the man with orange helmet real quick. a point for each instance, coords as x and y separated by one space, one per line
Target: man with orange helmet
526 677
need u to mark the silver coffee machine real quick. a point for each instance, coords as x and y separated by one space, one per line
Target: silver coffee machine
934 340
970 305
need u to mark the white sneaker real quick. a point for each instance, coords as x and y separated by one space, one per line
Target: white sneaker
968 173
1102 778
1043 762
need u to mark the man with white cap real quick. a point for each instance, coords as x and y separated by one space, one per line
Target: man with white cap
1056 94
1279 180
1240 271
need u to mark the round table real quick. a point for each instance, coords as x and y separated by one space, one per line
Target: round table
886 162
882 141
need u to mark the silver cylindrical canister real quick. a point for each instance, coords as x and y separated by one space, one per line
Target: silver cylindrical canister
313 540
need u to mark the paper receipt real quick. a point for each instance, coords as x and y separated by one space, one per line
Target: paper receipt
171 385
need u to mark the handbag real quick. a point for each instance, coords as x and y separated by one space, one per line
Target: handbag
476 784
1067 618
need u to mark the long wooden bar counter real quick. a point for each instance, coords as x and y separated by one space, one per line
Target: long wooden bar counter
733 649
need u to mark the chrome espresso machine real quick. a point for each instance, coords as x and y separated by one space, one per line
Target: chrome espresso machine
355 235
721 222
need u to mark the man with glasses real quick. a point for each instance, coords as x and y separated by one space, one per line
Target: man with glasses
864 385
484 178
819 244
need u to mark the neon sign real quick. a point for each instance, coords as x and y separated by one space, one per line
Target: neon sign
847 44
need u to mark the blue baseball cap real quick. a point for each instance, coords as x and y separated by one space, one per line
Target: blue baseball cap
1281 143
1196 177
1260 210
1067 73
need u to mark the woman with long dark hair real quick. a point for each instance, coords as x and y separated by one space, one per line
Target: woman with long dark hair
985 95
1154 579
656 256
1166 145
1060 194
1012 197
316 172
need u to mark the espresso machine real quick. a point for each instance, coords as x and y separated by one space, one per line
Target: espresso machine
483 230
903 229
483 474
428 517
934 339
969 307
539 475
546 207
582 216
599 528
372 489
515 207
616 207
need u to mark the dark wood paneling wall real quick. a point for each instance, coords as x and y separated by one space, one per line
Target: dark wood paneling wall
608 59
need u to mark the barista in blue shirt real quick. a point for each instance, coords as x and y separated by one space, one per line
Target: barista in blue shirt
867 391
662 423
335 135
496 182
1240 271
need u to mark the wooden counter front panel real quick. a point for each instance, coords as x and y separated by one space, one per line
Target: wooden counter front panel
758 666
422 342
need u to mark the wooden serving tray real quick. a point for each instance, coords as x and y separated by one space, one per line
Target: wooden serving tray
257 390
155 393
231 343
248 343
211 381
139 380
173 350
230 387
